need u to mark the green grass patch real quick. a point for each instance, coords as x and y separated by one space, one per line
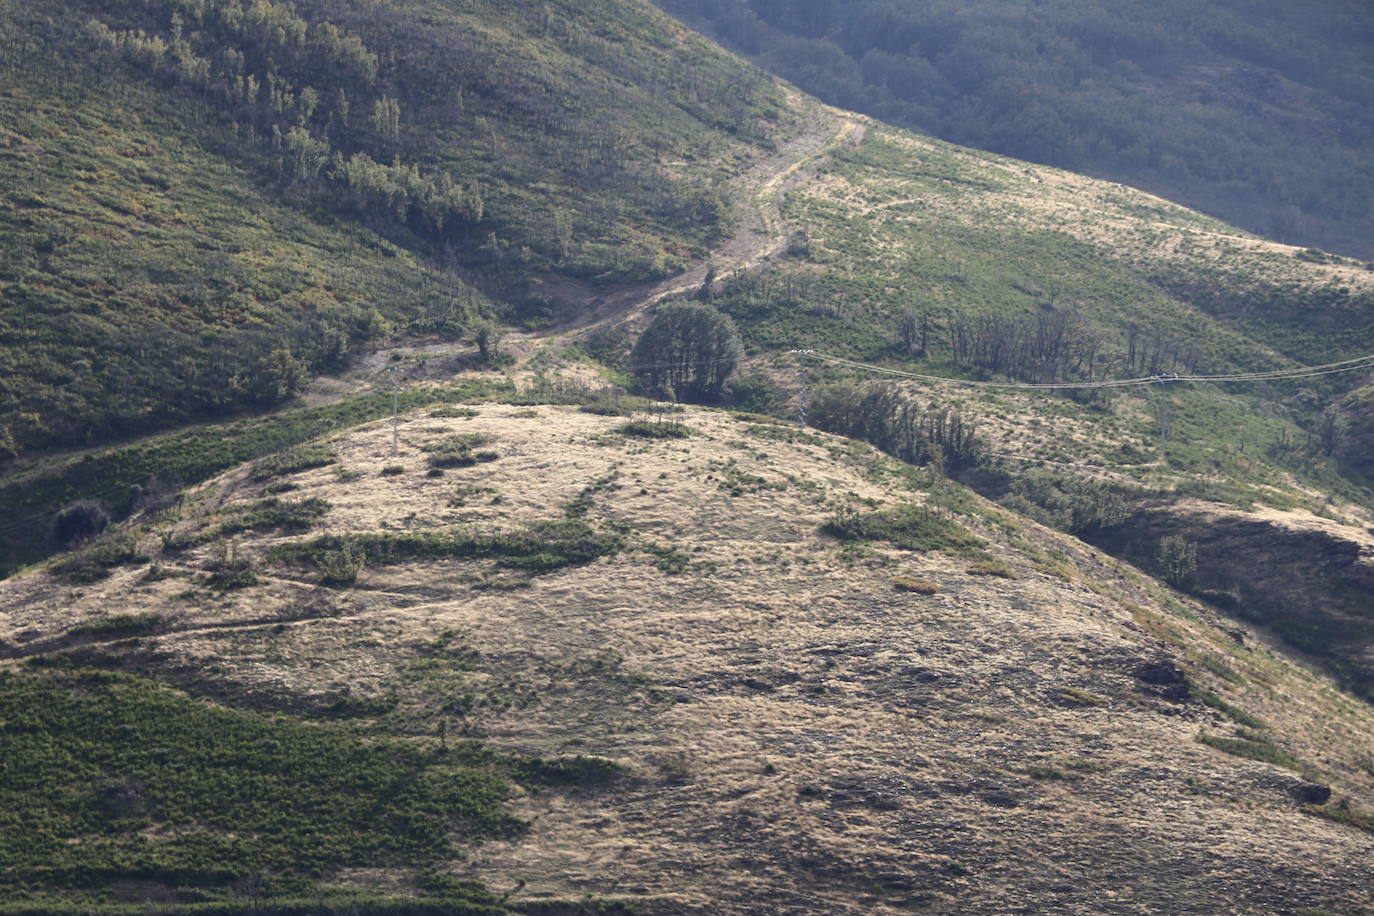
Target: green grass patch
539 547
273 513
991 568
909 527
1236 714
94 561
293 462
1253 746
1073 696
114 778
1344 813
190 456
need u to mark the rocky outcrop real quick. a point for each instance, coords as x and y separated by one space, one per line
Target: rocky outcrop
1306 578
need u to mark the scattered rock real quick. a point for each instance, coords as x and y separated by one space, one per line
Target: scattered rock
1168 679
1309 793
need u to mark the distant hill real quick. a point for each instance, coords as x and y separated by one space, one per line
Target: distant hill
1256 111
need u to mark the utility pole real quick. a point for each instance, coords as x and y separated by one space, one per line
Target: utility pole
1161 412
395 413
804 396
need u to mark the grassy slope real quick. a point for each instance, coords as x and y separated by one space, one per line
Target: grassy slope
746 653
902 224
165 259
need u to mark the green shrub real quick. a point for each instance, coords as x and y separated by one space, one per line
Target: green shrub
1177 559
341 566
909 527
120 625
655 429
605 409
293 461
919 586
393 470
457 451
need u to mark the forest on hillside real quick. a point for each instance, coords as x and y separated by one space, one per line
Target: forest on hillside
1256 111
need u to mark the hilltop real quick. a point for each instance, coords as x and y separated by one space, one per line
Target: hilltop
1098 649
786 670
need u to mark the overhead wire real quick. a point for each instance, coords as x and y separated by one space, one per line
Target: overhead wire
1297 372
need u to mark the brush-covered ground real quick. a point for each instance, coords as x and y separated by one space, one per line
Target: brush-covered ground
206 203
921 256
686 662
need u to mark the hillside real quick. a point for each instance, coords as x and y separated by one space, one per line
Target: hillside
205 204
1256 112
768 667
1095 648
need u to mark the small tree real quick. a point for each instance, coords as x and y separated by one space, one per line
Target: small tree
1177 559
488 336
78 522
687 352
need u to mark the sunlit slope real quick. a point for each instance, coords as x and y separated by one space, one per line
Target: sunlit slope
829 682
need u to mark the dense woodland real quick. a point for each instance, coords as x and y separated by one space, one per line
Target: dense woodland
1255 111
207 201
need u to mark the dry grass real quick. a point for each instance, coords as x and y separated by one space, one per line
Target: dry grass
801 736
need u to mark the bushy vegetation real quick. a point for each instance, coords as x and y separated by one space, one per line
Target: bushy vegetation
206 203
112 778
539 547
457 451
909 527
94 561
1222 108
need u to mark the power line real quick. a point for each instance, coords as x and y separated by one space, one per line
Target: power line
1297 372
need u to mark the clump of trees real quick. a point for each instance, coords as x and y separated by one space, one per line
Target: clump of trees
686 353
886 417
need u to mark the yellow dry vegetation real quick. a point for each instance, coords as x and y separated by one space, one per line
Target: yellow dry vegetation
800 736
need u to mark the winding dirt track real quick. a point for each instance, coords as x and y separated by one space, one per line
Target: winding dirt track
759 236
